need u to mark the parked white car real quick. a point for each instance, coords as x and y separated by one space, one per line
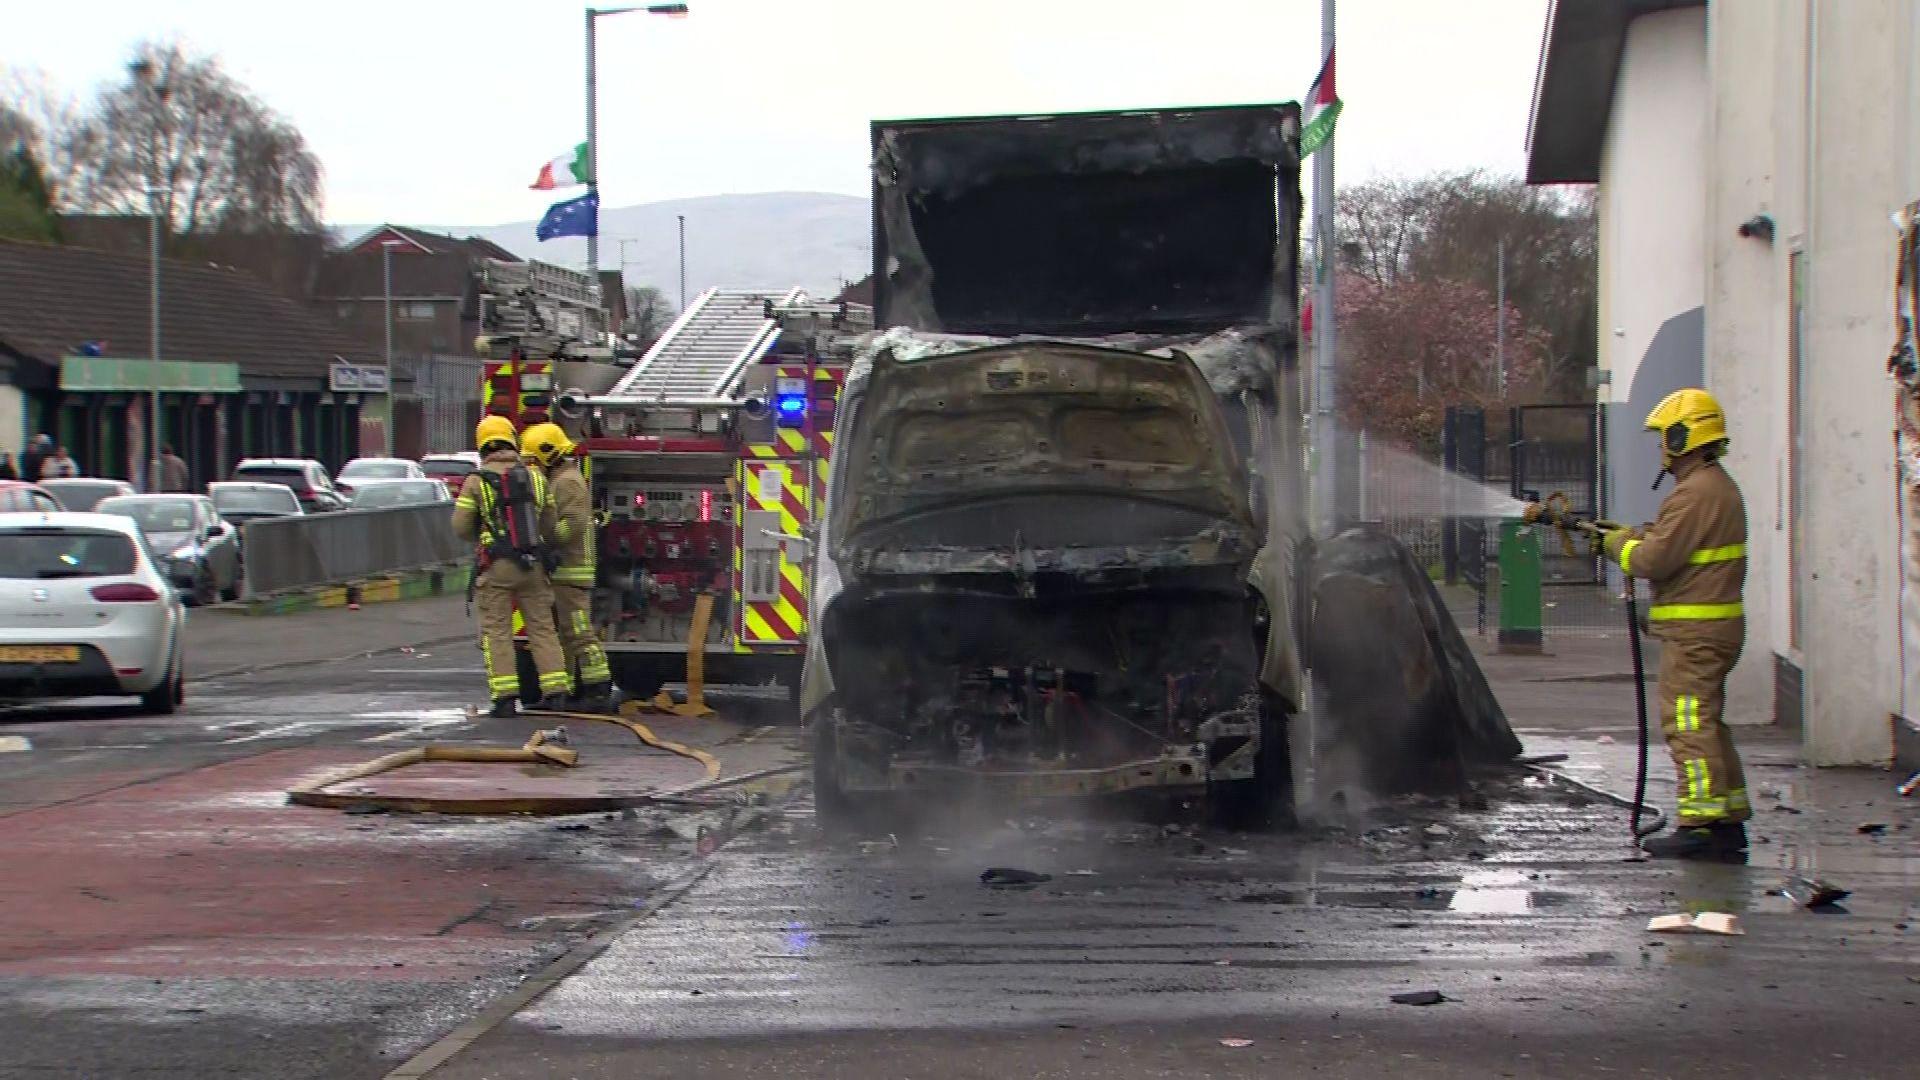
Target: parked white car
376 494
86 610
362 470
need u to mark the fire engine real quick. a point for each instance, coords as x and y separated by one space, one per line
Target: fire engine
707 458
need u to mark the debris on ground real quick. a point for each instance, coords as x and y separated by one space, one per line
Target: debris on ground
1706 922
1813 892
1872 828
1436 831
1912 785
874 847
1003 877
1419 997
1236 1044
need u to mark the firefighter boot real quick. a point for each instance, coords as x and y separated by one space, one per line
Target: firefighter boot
594 698
505 708
552 703
1700 842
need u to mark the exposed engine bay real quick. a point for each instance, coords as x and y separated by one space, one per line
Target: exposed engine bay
1083 684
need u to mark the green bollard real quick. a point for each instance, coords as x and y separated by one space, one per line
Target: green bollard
1520 589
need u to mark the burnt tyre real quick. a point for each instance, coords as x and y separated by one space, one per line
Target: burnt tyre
833 809
1263 801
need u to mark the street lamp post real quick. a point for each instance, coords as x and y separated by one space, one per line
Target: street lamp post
386 292
153 341
683 261
593 136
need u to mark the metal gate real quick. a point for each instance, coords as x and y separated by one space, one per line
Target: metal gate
1556 452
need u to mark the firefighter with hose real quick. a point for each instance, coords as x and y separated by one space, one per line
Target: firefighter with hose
505 510
1694 554
573 574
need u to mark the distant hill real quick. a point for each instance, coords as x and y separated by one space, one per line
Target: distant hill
811 239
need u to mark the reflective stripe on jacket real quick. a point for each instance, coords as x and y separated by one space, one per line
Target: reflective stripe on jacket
573 525
1695 552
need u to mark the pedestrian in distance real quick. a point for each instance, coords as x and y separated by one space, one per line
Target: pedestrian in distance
39 449
505 510
59 466
575 565
169 472
7 471
1695 555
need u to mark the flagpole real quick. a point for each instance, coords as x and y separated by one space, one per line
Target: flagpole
1326 438
593 159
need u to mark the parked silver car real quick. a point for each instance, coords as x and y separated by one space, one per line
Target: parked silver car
81 494
199 552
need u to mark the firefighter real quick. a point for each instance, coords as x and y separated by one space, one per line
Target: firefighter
505 510
1695 556
573 575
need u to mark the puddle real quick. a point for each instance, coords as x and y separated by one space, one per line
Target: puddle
1479 892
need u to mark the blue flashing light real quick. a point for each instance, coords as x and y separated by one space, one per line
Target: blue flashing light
790 409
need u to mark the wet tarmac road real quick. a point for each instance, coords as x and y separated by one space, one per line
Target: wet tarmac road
168 916
1145 950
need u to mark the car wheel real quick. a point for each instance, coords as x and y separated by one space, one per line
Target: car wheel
232 592
204 591
162 700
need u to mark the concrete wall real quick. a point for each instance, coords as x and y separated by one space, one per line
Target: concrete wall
1652 279
1814 105
1746 325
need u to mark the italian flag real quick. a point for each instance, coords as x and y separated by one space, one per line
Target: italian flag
1323 108
569 170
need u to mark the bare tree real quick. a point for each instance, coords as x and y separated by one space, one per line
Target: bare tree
33 115
649 313
216 158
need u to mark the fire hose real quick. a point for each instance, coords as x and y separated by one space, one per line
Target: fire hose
1554 512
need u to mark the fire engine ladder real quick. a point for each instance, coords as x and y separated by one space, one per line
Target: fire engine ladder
702 355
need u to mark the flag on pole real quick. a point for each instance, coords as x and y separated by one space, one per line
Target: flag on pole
574 217
1323 109
567 170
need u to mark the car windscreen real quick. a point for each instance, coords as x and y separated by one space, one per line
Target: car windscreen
247 500
63 553
375 470
407 494
292 476
446 468
80 496
153 515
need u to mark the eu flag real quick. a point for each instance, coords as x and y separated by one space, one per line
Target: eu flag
574 217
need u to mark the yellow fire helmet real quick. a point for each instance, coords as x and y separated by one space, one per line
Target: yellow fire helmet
494 429
546 443
1687 420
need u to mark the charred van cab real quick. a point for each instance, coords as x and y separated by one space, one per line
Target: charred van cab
1034 577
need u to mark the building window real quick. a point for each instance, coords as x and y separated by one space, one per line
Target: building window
1796 432
414 310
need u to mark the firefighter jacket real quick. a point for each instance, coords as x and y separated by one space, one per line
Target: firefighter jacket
1694 553
573 538
474 515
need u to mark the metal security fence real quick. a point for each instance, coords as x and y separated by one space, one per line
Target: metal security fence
349 545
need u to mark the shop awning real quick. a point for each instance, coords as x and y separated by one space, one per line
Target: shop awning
112 374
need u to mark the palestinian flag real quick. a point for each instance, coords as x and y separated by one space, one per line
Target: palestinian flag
1323 108
566 171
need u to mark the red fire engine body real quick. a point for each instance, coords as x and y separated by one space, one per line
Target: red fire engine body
707 460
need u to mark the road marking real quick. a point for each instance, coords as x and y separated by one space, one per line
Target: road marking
14 744
425 671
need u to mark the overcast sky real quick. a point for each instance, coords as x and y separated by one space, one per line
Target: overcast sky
443 112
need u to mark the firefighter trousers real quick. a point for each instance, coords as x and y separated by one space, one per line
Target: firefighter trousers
501 587
573 613
1694 662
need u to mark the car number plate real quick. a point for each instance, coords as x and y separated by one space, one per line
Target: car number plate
39 654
